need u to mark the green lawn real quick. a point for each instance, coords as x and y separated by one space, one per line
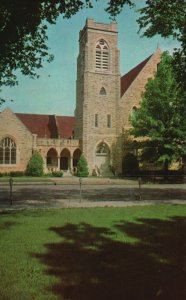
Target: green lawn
26 179
100 253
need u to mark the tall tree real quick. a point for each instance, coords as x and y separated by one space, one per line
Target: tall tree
167 18
23 33
160 120
24 23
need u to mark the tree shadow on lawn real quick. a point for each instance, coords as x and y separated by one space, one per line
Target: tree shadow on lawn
90 263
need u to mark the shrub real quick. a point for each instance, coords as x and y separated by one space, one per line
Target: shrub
4 174
17 173
82 167
57 173
130 165
35 165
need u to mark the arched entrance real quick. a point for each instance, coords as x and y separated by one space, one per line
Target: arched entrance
52 159
102 158
130 164
76 157
65 159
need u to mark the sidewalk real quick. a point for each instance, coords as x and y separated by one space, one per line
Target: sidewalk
94 192
85 204
74 180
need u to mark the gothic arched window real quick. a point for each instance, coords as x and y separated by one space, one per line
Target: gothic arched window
7 151
102 56
103 91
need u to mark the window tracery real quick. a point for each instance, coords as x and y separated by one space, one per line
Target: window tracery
8 151
102 56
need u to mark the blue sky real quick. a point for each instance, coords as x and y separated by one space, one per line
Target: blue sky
54 91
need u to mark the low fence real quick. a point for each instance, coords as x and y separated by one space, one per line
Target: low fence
57 191
158 176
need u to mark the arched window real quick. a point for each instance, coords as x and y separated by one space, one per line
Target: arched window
102 56
96 120
109 121
103 91
102 149
7 151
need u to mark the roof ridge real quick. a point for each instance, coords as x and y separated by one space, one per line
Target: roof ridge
35 114
143 61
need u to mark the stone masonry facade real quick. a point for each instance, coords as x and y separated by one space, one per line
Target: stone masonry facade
104 102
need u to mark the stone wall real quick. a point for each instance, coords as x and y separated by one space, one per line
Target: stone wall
90 80
13 128
132 96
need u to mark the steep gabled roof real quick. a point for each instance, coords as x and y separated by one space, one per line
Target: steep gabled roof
65 126
49 126
127 79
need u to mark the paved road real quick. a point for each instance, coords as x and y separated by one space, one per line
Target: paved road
101 192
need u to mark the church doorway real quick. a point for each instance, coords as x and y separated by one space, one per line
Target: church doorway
76 157
65 159
102 159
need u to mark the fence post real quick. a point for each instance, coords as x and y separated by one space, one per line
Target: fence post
80 188
11 192
139 183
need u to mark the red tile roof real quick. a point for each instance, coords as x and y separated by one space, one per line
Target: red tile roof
49 126
128 78
65 126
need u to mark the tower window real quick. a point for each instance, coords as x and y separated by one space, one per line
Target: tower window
102 91
7 151
102 56
96 120
109 121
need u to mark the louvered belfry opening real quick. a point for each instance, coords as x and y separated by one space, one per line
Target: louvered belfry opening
102 56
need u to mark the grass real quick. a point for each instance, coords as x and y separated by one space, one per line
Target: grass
99 253
29 179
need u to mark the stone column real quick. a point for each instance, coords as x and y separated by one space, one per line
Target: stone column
58 163
34 142
71 163
45 165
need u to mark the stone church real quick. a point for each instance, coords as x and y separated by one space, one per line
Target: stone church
104 102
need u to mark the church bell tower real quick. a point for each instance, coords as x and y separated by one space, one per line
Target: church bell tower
97 92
